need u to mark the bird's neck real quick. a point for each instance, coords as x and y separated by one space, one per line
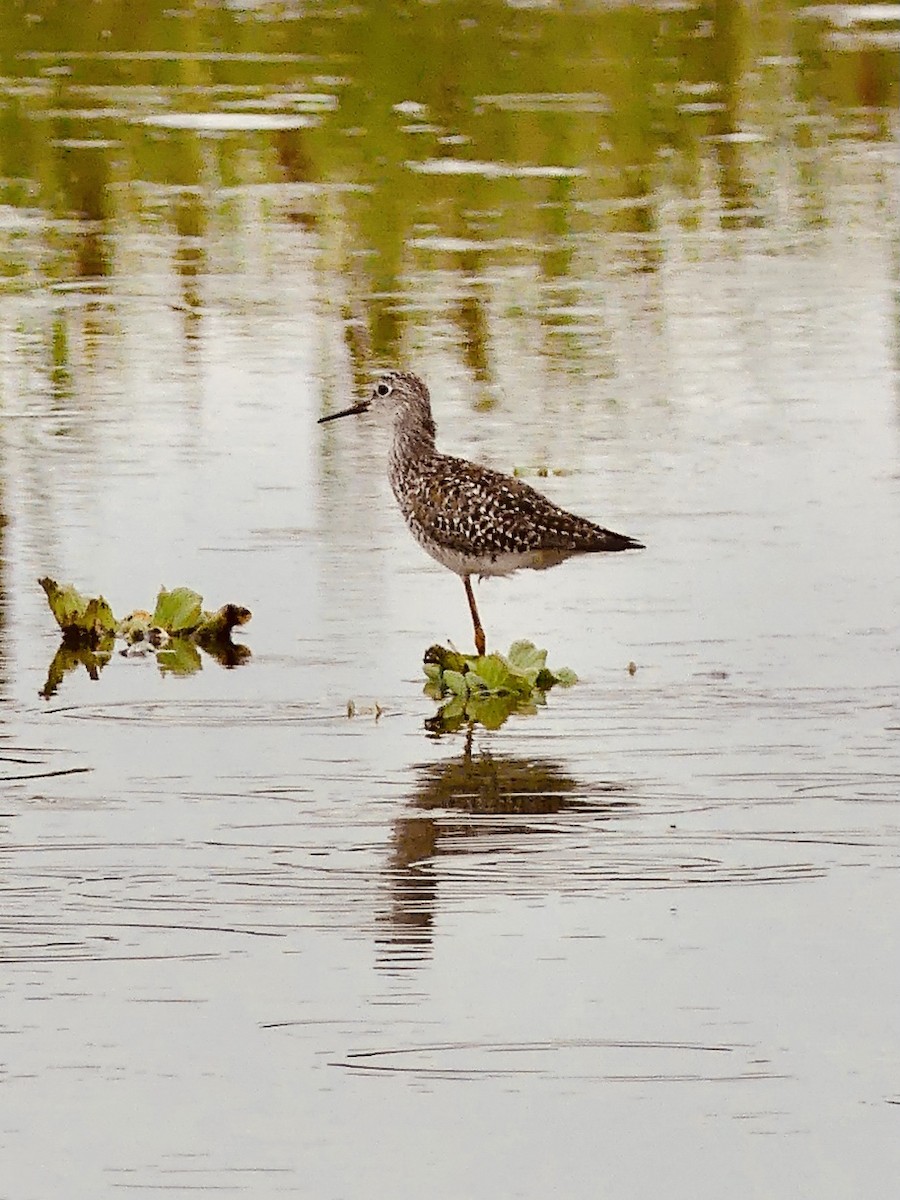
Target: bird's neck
413 437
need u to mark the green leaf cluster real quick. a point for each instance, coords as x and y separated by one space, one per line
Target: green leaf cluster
173 631
486 689
180 614
83 621
177 612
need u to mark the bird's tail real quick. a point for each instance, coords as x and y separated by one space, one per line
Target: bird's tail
606 540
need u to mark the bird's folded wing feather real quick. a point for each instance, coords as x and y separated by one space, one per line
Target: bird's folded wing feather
463 507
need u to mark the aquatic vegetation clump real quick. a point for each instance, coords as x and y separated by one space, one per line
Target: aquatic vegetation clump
173 632
83 621
487 689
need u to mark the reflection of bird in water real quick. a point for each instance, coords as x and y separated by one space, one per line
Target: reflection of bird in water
471 519
483 786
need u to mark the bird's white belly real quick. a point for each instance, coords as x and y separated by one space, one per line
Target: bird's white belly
498 564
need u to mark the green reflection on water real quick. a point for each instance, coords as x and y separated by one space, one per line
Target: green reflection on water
423 149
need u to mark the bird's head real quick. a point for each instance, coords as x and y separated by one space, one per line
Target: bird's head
398 398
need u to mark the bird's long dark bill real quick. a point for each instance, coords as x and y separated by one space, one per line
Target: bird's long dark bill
346 412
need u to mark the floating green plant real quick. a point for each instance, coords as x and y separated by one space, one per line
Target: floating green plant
173 632
83 621
487 689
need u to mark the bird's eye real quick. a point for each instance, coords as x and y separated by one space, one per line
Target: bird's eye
383 389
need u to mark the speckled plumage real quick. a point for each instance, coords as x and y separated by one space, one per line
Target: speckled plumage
471 519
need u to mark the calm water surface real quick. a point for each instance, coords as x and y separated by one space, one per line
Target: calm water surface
643 942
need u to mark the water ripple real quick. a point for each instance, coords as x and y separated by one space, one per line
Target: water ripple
585 1060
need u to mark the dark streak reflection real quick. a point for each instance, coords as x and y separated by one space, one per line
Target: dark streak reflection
483 785
93 257
739 195
472 319
190 219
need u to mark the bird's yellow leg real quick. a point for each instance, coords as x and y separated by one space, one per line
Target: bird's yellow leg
480 643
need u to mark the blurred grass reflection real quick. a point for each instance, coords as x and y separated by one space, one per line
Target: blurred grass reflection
427 147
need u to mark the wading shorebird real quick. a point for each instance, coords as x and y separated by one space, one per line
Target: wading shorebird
472 520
